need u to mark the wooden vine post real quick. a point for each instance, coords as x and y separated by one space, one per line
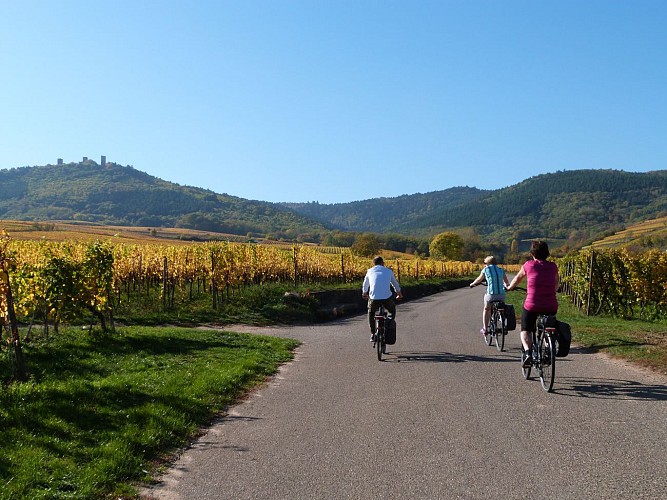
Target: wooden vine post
164 283
13 324
342 266
296 267
590 283
214 286
139 273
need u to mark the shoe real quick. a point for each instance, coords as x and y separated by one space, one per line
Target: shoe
526 360
372 337
384 349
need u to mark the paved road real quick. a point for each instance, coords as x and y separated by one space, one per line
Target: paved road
443 417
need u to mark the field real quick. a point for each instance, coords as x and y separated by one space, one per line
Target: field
72 274
655 229
60 231
73 231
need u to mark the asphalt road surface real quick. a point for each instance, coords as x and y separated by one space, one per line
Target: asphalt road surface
443 416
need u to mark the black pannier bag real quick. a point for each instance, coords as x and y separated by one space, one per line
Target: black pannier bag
510 317
563 339
390 331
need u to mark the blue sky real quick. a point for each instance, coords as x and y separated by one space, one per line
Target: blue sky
335 101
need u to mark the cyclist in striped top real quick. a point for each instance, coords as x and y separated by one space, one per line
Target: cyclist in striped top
495 277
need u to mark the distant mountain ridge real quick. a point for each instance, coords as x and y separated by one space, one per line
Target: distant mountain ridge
555 204
402 213
575 205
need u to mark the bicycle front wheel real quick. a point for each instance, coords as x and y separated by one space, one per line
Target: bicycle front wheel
547 362
525 369
488 335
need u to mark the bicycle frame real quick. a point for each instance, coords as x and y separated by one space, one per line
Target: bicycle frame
496 329
543 351
380 317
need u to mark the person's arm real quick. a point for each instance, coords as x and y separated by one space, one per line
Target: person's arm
517 279
397 286
478 279
365 288
506 280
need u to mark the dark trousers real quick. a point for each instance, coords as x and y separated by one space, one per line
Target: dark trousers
529 320
374 305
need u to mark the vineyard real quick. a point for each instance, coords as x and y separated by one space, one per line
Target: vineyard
49 283
66 281
55 282
653 231
616 282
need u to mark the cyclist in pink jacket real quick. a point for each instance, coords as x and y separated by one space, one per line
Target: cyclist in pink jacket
542 286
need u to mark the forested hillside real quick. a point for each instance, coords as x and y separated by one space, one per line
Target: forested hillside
575 205
117 195
406 212
570 208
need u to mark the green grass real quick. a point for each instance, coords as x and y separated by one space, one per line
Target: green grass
99 412
256 305
641 342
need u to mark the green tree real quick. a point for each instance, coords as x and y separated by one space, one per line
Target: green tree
366 245
446 246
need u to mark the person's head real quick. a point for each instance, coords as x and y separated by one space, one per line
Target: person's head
539 250
490 260
378 261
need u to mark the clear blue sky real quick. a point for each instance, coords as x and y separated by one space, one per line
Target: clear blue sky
335 101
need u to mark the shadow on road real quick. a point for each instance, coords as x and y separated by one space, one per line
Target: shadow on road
444 357
610 389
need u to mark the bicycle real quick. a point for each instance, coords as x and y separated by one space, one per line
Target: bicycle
496 329
543 352
379 344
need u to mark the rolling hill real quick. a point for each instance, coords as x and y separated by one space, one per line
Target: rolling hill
576 206
123 196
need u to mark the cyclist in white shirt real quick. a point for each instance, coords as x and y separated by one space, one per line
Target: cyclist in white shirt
379 287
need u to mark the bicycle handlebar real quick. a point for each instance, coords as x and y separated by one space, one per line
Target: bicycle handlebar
504 287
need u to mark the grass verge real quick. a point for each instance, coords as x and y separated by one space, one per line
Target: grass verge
99 412
641 342
257 305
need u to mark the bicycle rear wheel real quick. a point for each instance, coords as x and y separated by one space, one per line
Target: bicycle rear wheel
499 322
547 362
379 337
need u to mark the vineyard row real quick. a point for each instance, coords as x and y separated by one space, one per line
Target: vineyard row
616 282
65 281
